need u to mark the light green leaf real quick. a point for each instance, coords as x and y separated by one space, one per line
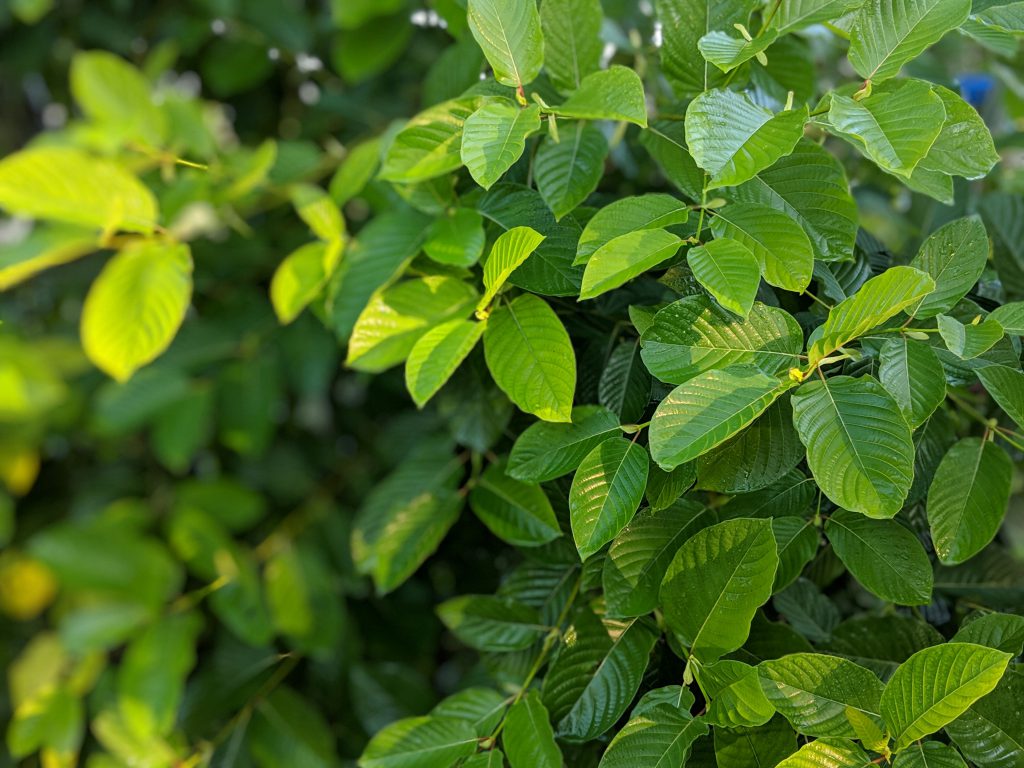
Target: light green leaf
955 256
911 372
531 358
858 445
732 138
545 451
567 171
615 93
456 238
886 558
301 276
509 251
810 186
115 95
715 584
880 298
968 498
494 137
661 735
1010 316
1002 631
991 732
781 246
88 191
430 144
1006 386
606 492
727 51
483 708
708 409
437 354
929 754
629 214
47 245
420 742
684 23
798 14
639 556
360 164
514 511
397 317
886 34
489 623
623 258
729 271
572 40
895 126
968 341
936 685
319 211
528 738
509 33
813 691
695 335
735 694
136 305
828 753
964 147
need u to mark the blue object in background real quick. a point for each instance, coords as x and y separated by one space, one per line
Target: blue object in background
975 88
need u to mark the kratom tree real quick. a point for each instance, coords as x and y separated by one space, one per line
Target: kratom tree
709 313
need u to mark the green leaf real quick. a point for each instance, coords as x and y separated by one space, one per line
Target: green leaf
514 511
596 674
572 40
494 138
1006 386
742 747
481 707
729 272
1002 631
808 612
301 277
509 251
397 317
44 247
684 23
882 643
732 138
810 186
936 685
626 257
790 495
886 558
781 246
88 191
828 753
895 126
968 498
319 211
430 144
814 691
929 754
695 335
664 488
858 445
420 742
968 341
606 492
715 584
991 733
734 693
528 738
456 238
625 385
639 556
886 34
509 33
545 451
629 214
286 726
662 735
359 166
489 623
1010 316
880 298
437 354
531 358
115 95
136 305
615 93
964 147
53 722
798 14
910 371
797 540
567 171
727 52
707 410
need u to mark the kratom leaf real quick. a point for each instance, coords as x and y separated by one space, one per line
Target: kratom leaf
936 685
715 583
44 247
490 623
136 305
1002 631
531 358
420 742
797 541
509 33
954 255
807 611
964 147
615 93
625 257
798 14
435 356
301 277
968 341
729 271
319 211
828 753
567 171
727 51
734 692
606 492
545 451
456 238
886 558
767 744
990 732
514 511
929 754
684 23
967 498
625 386
494 137
913 375
886 34
662 735
695 335
709 409
663 488
509 251
572 40
114 94
653 211
1010 316
430 144
359 166
528 739
782 248
814 691
858 445
732 138
1006 386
